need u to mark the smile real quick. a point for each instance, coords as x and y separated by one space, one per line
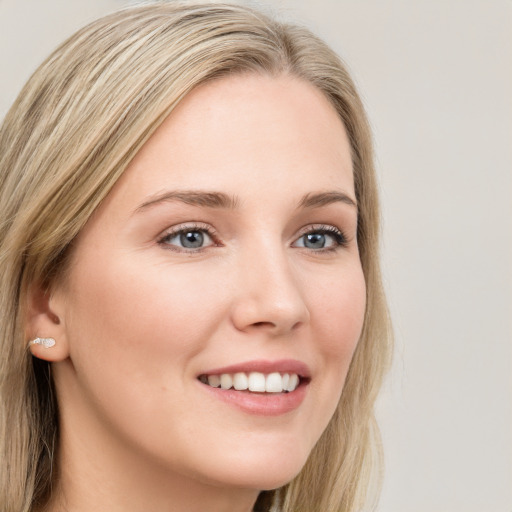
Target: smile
259 387
255 382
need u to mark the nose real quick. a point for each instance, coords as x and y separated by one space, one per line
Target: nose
268 295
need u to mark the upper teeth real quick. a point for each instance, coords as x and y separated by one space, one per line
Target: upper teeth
254 381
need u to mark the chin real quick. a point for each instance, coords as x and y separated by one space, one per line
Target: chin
261 473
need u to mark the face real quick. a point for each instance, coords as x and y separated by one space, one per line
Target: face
225 256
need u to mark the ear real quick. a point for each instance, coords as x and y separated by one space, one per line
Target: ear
45 319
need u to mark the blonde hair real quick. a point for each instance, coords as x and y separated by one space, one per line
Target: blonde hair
69 136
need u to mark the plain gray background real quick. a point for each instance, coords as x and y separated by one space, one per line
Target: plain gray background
436 77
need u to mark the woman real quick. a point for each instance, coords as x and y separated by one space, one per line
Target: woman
189 247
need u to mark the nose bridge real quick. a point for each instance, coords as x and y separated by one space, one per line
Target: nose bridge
269 293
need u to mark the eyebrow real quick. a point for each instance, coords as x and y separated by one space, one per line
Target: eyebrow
194 198
224 201
326 198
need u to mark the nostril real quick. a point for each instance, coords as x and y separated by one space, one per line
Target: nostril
268 313
272 325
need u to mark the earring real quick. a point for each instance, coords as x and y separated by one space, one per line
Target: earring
45 342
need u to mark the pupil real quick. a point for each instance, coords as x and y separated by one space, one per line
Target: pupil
191 239
315 240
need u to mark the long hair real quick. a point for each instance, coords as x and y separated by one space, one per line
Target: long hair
67 139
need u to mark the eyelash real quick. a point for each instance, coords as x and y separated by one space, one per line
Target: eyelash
188 228
339 238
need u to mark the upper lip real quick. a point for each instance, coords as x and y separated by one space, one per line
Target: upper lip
264 366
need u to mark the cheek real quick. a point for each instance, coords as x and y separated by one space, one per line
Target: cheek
340 313
132 336
337 320
130 307
147 317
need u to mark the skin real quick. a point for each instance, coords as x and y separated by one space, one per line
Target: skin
139 317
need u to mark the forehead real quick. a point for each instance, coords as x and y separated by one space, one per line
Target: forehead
235 132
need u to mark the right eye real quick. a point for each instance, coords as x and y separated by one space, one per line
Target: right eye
188 238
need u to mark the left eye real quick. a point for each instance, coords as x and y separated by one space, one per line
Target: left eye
188 239
321 239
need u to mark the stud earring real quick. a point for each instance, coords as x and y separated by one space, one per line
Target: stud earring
45 342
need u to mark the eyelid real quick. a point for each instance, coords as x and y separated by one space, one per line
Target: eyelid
338 235
185 227
340 238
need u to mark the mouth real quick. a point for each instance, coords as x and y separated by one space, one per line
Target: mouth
259 387
255 382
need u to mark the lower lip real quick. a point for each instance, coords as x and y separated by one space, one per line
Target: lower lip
263 404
